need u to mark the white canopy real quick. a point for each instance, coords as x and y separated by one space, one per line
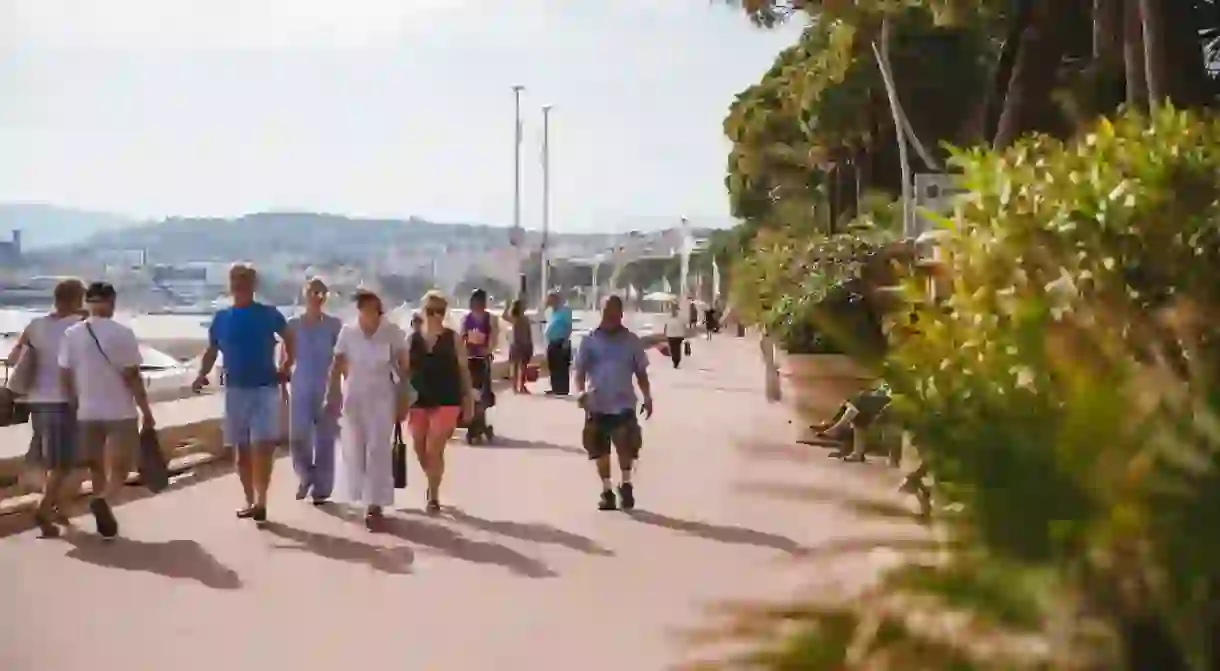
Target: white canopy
660 297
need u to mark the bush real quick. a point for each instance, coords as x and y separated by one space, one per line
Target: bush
1068 400
809 293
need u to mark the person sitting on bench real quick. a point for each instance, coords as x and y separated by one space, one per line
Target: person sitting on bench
853 419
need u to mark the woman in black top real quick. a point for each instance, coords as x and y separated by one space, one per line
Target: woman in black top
442 384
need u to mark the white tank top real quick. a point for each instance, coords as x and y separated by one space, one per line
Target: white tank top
45 334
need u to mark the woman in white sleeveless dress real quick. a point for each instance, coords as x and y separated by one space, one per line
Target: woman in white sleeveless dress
370 356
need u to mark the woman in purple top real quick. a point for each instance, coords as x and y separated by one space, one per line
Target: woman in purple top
480 333
479 330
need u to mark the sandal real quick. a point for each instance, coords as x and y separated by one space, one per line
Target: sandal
46 528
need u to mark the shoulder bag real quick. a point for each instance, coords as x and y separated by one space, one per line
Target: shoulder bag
153 466
22 375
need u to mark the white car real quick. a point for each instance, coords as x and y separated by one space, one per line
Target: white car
164 376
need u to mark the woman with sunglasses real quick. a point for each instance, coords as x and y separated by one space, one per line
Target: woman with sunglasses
311 430
370 361
442 382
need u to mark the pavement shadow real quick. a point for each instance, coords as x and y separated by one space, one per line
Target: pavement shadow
518 444
177 559
394 561
535 532
721 533
452 544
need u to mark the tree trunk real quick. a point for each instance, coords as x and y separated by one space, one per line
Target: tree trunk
1107 38
1133 56
1154 51
1028 104
1022 12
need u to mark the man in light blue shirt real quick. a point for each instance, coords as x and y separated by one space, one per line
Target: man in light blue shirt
611 360
558 344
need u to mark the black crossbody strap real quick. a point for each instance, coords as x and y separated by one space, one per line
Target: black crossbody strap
89 328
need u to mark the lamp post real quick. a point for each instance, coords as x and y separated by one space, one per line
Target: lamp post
516 236
546 204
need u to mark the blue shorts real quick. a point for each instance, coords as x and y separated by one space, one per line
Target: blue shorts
252 416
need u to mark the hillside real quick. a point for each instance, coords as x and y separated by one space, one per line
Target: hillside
45 226
318 237
307 235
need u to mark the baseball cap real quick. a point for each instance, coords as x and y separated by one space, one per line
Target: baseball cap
100 292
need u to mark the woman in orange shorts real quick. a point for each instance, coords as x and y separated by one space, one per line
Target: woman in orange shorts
442 384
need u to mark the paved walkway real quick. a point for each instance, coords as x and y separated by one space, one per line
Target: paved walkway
521 572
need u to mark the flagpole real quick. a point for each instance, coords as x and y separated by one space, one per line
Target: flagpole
544 285
517 236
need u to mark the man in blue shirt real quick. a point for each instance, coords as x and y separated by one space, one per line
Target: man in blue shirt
558 344
610 361
246 335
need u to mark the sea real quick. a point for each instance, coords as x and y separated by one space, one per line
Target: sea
182 336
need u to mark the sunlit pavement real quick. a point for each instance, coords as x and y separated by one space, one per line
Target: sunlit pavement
520 572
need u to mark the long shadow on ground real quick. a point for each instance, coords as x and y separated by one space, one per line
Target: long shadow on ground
503 443
176 559
453 544
392 560
534 532
721 533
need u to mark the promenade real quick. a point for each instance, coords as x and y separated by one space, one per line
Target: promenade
521 571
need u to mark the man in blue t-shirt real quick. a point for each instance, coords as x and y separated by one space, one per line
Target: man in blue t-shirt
246 335
558 344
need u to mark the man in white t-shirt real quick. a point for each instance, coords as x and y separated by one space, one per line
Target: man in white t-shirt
100 360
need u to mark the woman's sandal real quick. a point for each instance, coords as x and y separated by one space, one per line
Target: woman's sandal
373 519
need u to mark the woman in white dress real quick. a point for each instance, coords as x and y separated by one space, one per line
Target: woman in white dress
370 360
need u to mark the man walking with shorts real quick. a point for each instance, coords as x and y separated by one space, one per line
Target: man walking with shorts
246 335
609 362
100 364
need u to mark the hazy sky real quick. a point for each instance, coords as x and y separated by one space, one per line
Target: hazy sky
372 107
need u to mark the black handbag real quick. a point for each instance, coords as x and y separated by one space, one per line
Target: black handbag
686 347
153 467
400 459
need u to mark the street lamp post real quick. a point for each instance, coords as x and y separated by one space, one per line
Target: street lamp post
546 204
517 236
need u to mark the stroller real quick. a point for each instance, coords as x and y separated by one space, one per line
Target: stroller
478 429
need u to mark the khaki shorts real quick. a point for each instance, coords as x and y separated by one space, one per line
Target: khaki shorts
620 431
122 435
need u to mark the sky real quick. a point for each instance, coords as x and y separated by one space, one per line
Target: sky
385 108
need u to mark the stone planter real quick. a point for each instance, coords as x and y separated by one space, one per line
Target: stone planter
816 385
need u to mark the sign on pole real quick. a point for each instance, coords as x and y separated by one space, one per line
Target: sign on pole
934 192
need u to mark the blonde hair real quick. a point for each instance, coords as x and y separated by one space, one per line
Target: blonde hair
243 270
435 295
315 283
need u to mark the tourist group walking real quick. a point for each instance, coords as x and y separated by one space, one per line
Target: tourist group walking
341 392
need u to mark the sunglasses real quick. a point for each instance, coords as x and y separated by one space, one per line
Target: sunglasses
319 293
434 311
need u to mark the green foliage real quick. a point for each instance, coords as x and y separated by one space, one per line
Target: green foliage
1066 395
827 310
823 103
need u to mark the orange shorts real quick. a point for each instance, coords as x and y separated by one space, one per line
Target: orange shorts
432 420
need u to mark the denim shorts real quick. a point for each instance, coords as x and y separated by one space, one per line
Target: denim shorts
252 416
53 439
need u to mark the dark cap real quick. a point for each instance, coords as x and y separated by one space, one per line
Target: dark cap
100 292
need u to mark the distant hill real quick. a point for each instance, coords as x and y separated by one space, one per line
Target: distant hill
318 237
45 226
